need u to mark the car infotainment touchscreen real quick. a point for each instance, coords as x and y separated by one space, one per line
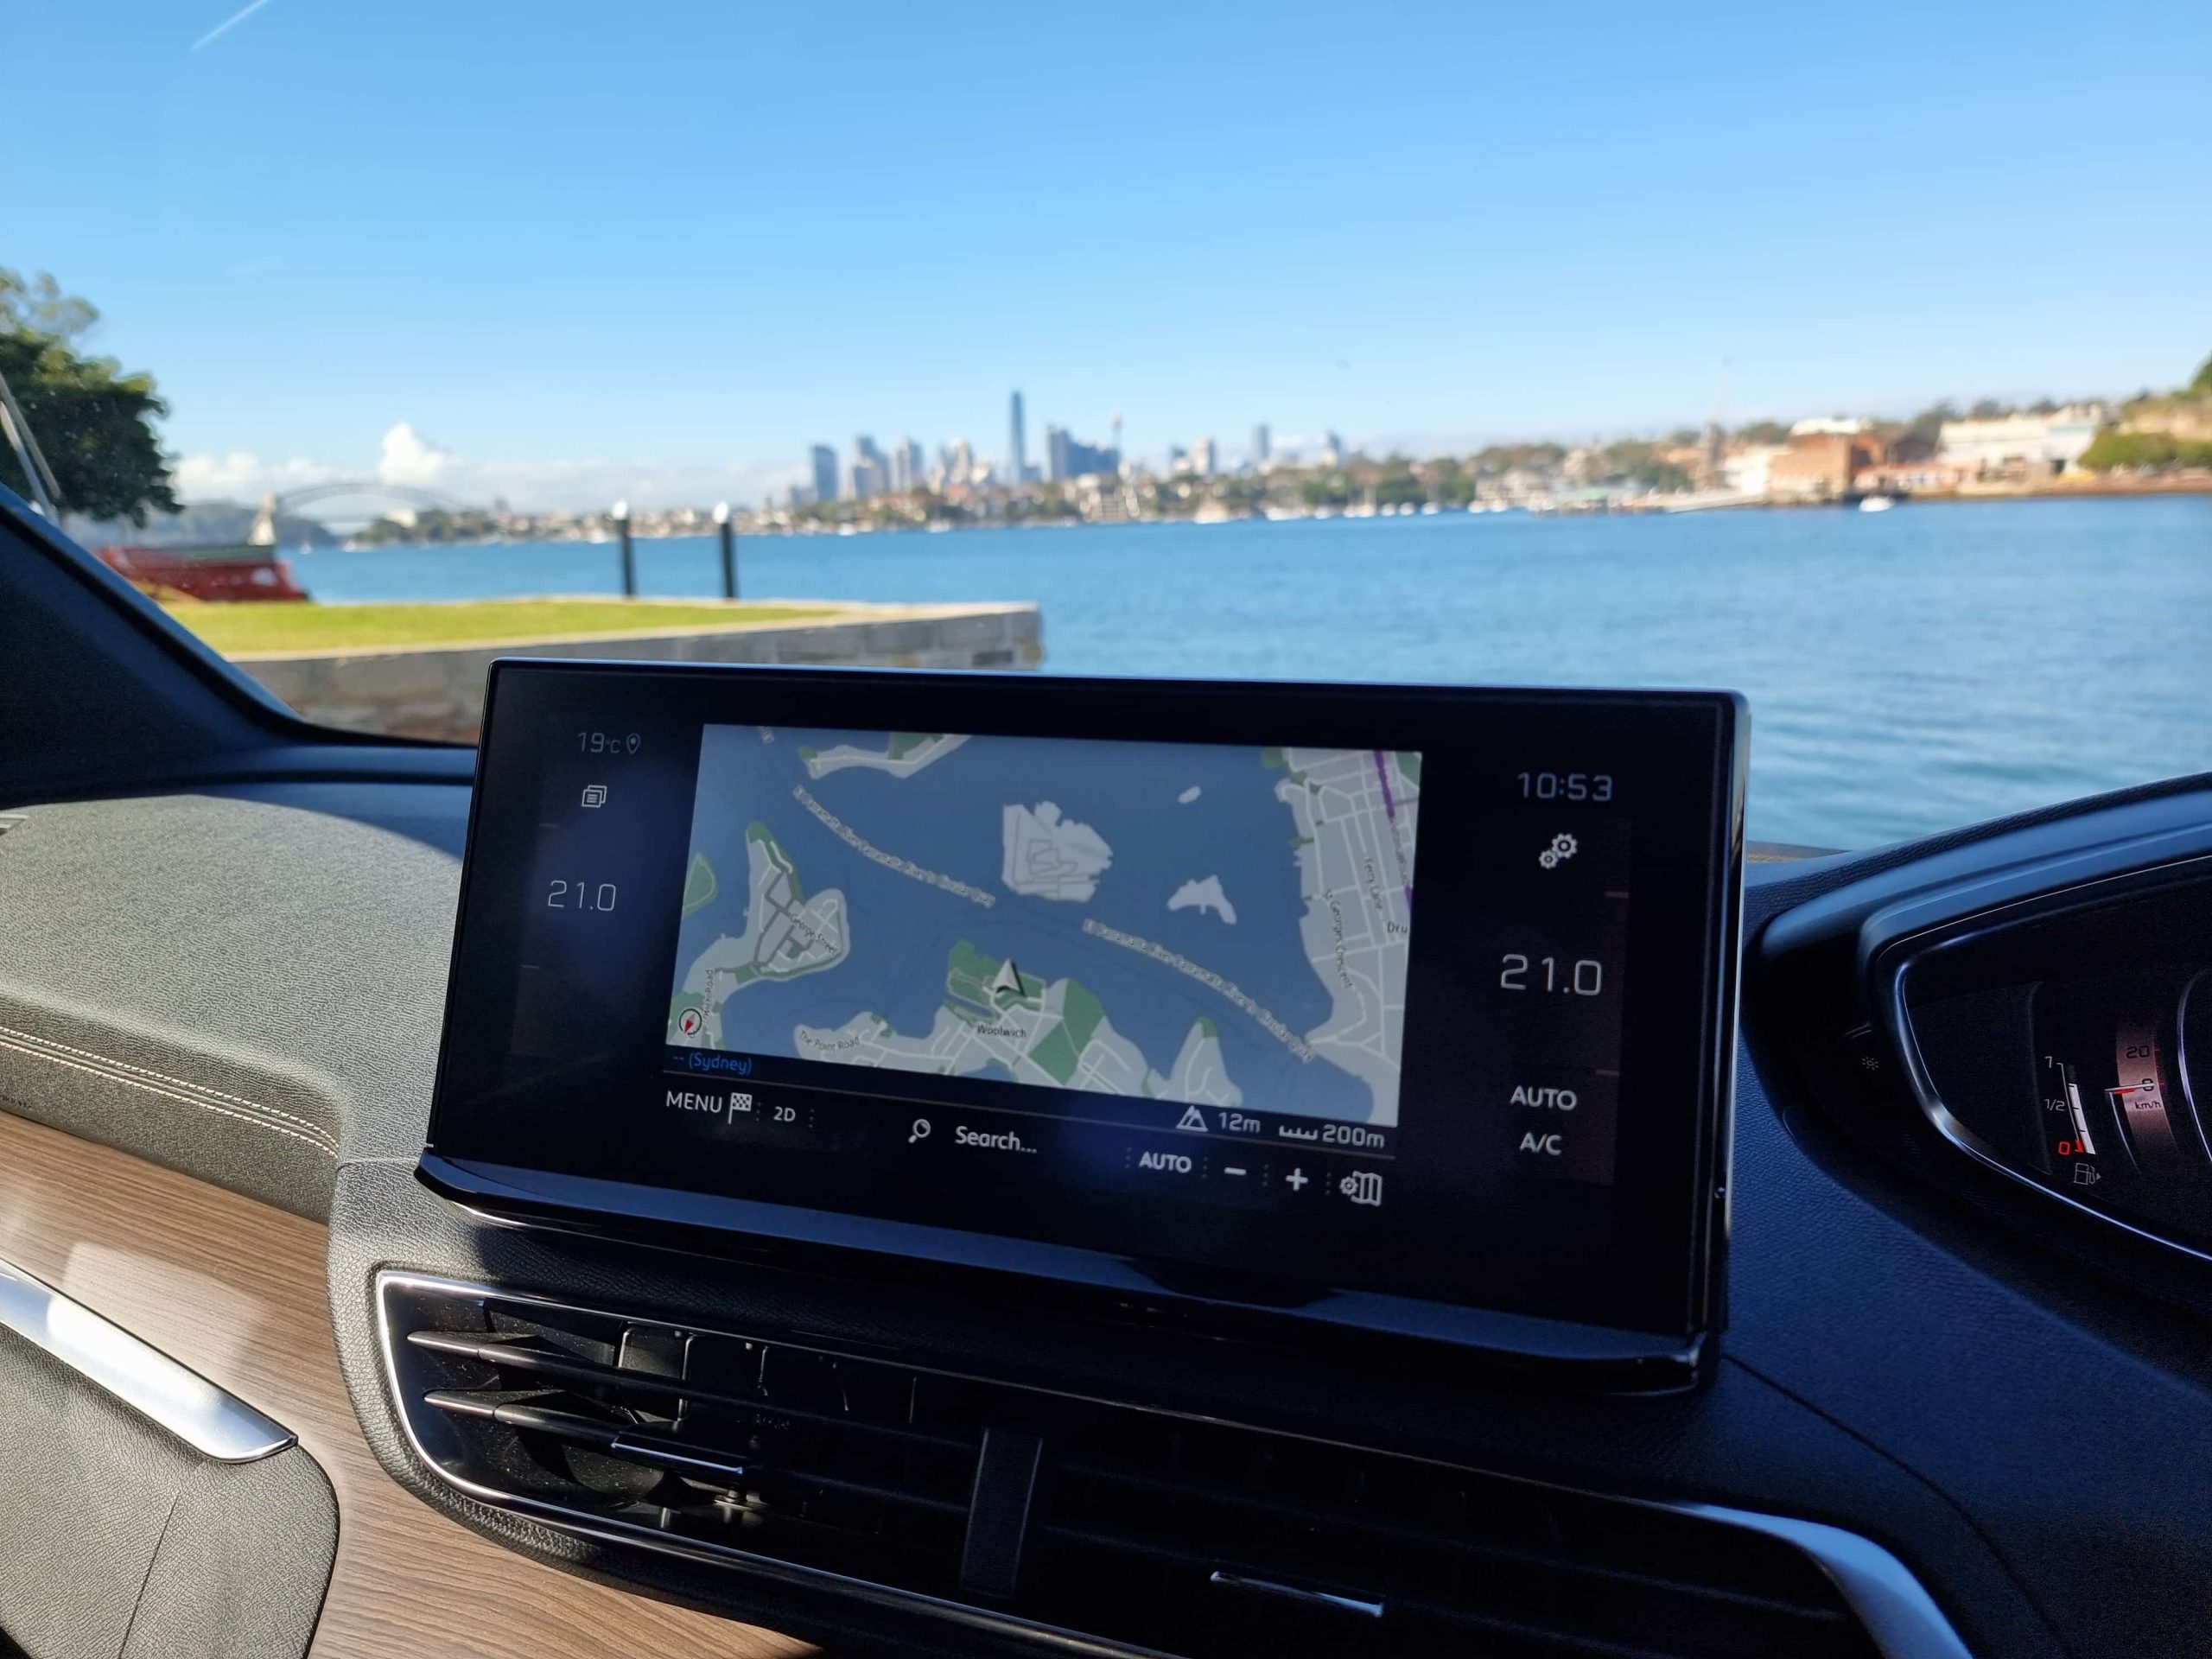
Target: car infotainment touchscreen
1367 996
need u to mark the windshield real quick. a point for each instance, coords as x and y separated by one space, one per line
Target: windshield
1849 362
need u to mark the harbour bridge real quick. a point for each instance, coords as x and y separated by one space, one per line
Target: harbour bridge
264 533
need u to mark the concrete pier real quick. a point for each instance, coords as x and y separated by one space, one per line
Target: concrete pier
438 691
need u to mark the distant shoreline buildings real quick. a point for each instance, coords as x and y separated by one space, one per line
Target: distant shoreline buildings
2159 443
1820 459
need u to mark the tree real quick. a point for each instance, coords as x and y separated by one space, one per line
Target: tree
1927 425
1397 486
93 423
2154 451
2201 386
1329 489
1762 432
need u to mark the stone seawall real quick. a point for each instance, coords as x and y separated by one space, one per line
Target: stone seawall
438 691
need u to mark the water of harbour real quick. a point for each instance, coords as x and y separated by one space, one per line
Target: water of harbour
1907 671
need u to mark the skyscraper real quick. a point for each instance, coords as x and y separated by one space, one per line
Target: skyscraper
870 476
824 460
906 465
918 466
1262 445
1202 461
1017 449
1332 450
1067 456
958 463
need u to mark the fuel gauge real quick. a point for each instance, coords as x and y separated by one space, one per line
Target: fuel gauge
2075 1158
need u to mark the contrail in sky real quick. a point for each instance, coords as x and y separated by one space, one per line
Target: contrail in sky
229 23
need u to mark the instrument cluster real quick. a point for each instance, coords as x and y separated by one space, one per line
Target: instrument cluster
2072 1046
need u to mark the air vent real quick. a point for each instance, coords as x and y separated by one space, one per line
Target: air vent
1212 1540
1012 1507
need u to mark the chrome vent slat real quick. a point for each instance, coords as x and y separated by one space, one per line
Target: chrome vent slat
1135 1530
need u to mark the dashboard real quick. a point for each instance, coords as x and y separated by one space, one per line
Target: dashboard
1949 1391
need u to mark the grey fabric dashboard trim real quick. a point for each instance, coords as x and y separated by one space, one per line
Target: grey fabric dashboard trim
176 1089
244 984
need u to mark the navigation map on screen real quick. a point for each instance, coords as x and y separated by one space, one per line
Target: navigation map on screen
1199 923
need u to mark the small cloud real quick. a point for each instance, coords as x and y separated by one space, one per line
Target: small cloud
411 458
240 476
406 457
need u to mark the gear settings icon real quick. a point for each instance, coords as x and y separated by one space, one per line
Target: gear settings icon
1563 848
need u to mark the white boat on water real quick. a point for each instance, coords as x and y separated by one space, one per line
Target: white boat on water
1875 503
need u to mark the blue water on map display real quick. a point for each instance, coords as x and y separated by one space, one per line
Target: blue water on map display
948 817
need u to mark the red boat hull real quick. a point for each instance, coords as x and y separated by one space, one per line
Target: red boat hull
233 574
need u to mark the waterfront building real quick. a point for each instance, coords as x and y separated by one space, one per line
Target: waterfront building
824 467
1820 466
2021 445
1105 501
1745 467
1924 476
1827 426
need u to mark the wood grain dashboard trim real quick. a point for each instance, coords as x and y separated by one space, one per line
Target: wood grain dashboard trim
234 1289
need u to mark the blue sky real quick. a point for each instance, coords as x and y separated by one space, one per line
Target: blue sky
656 249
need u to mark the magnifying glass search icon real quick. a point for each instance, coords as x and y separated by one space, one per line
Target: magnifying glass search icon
920 1131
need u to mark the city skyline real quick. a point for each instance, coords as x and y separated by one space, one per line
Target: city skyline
447 245
824 473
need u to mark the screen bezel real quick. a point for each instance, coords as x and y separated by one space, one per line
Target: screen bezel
1673 1201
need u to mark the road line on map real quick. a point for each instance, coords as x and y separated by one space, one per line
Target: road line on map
905 867
1274 1027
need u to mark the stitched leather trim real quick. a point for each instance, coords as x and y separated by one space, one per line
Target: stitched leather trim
176 1089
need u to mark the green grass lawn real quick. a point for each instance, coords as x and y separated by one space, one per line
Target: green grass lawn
233 628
